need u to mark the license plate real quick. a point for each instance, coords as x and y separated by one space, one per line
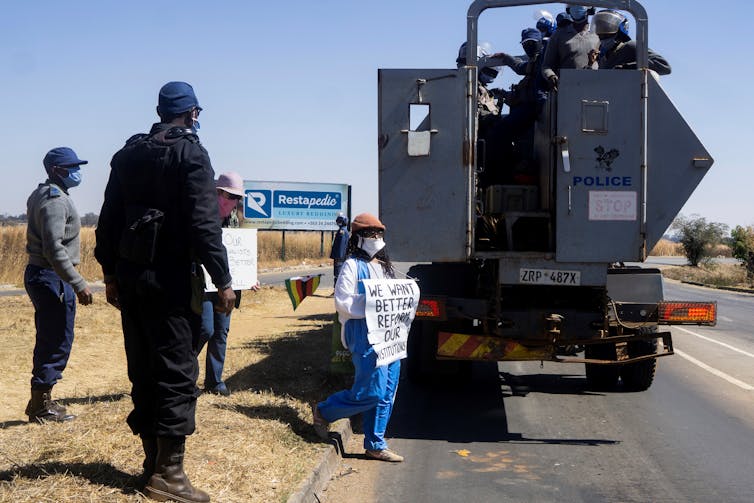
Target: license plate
549 277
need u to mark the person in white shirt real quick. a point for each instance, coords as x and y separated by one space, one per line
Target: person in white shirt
374 388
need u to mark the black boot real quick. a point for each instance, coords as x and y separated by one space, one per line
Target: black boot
149 442
41 408
169 481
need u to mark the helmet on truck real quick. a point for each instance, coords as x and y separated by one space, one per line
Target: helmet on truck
486 73
607 23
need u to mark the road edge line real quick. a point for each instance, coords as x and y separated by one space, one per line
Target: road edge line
732 348
714 371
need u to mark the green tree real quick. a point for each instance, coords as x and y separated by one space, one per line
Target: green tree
698 237
89 220
743 247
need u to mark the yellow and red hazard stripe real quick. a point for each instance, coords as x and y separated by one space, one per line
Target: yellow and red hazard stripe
480 347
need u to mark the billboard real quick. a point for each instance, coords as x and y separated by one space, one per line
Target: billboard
294 205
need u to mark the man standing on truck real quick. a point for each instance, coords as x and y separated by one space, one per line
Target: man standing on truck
572 46
617 50
158 223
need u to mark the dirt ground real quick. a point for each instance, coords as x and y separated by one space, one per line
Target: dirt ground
255 446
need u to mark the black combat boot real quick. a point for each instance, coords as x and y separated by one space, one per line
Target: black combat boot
41 408
149 442
169 481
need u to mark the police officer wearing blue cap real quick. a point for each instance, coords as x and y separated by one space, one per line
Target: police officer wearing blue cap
51 278
157 224
525 99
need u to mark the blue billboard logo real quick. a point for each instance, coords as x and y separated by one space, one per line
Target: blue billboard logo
258 204
308 200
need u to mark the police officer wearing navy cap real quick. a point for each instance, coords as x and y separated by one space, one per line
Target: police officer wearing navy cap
51 278
157 224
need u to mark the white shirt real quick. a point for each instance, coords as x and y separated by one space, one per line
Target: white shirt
349 303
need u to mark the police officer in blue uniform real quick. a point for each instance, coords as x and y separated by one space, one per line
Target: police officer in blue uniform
157 224
339 245
51 278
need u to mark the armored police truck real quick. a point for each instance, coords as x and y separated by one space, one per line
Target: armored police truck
525 260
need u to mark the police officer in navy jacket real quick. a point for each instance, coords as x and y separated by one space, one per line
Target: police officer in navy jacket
157 224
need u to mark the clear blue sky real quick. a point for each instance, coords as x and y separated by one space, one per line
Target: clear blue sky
289 89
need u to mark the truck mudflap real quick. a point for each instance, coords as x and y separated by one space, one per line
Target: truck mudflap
456 346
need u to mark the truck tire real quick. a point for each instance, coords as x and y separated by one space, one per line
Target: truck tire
640 375
601 377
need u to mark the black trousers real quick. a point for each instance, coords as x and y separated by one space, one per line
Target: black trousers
161 335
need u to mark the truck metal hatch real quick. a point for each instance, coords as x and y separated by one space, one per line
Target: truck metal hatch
598 174
677 162
424 179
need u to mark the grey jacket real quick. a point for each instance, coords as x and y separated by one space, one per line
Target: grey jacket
568 48
52 234
623 57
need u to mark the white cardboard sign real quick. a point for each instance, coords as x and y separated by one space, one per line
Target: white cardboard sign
612 205
241 245
390 309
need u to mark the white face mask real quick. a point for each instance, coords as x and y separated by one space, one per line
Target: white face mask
371 245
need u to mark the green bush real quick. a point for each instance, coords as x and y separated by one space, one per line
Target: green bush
698 237
743 248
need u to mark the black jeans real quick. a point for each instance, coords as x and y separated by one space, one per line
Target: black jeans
161 336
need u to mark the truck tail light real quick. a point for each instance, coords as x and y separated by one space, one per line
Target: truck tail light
431 308
680 313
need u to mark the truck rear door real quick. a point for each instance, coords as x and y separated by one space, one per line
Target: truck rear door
424 179
598 174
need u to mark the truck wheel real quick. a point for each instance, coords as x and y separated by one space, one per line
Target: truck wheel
601 377
640 375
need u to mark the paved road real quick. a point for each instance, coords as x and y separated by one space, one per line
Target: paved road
525 433
266 278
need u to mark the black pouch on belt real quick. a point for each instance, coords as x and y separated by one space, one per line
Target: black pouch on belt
197 287
138 242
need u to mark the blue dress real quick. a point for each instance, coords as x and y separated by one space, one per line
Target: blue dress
374 388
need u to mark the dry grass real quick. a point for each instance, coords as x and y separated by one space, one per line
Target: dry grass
254 446
710 274
301 248
667 248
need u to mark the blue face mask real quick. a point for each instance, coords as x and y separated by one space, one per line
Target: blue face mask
578 13
73 179
607 45
532 47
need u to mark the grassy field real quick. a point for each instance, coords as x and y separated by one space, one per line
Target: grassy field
729 275
255 446
308 248
300 248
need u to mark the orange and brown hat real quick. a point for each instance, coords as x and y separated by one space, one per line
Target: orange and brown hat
366 221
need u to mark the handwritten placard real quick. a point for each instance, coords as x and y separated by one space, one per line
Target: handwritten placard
390 309
241 245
